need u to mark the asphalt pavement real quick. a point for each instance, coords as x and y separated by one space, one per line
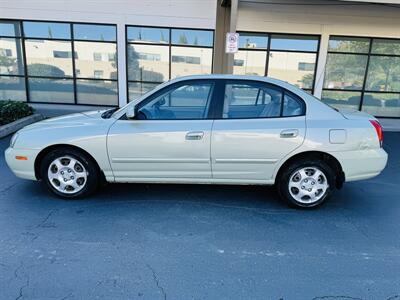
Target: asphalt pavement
139 241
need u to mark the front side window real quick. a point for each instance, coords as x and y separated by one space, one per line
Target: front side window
185 101
251 100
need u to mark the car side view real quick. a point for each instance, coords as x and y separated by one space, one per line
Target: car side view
211 129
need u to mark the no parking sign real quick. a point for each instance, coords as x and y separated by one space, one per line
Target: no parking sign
232 42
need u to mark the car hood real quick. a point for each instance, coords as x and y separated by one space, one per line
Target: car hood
72 120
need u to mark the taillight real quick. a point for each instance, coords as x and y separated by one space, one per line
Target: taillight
378 129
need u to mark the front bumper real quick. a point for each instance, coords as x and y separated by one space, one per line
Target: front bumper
22 168
362 164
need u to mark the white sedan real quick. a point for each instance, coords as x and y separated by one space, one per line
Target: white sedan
212 129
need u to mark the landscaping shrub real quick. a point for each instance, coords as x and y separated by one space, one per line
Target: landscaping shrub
11 111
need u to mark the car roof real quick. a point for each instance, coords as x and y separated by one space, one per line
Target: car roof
271 80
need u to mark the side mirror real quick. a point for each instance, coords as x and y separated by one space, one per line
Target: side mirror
131 112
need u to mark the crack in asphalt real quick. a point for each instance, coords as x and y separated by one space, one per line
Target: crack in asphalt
8 188
336 297
32 234
27 282
44 221
156 281
67 296
349 298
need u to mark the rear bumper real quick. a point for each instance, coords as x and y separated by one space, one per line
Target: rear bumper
22 168
362 164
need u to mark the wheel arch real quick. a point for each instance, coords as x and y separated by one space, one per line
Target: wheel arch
50 148
326 157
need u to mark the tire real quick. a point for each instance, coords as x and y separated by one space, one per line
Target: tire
306 183
69 173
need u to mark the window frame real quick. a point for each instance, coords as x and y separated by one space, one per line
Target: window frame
72 40
168 45
220 94
174 86
368 54
268 50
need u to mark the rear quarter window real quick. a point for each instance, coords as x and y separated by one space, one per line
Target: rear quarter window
292 106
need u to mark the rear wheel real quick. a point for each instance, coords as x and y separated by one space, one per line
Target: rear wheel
69 173
306 184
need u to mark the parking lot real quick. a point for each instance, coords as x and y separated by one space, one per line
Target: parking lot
200 242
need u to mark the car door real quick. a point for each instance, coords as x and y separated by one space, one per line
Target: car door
259 125
170 137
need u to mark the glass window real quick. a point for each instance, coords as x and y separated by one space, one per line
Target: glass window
192 37
137 89
149 64
382 104
294 43
51 90
383 74
47 30
50 68
384 46
380 82
95 32
186 101
148 35
342 99
292 106
11 58
10 28
41 61
349 44
249 62
190 61
345 71
285 66
143 66
12 88
97 92
258 41
248 100
93 57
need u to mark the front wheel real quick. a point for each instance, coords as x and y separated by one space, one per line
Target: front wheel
69 173
306 184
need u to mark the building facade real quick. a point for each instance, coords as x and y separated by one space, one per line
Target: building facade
106 53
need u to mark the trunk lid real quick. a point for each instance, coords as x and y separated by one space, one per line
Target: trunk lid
355 115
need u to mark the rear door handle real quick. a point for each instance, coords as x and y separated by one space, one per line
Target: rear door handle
289 133
194 135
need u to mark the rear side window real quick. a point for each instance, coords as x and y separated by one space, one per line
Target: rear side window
292 106
251 100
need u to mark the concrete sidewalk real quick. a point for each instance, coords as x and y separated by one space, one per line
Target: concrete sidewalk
390 124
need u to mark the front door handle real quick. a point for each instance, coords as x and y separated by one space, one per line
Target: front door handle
289 133
194 135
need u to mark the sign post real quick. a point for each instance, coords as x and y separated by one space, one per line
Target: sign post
232 42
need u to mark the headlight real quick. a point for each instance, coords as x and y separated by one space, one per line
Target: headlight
13 140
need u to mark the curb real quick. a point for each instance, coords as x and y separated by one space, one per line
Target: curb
18 124
391 129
